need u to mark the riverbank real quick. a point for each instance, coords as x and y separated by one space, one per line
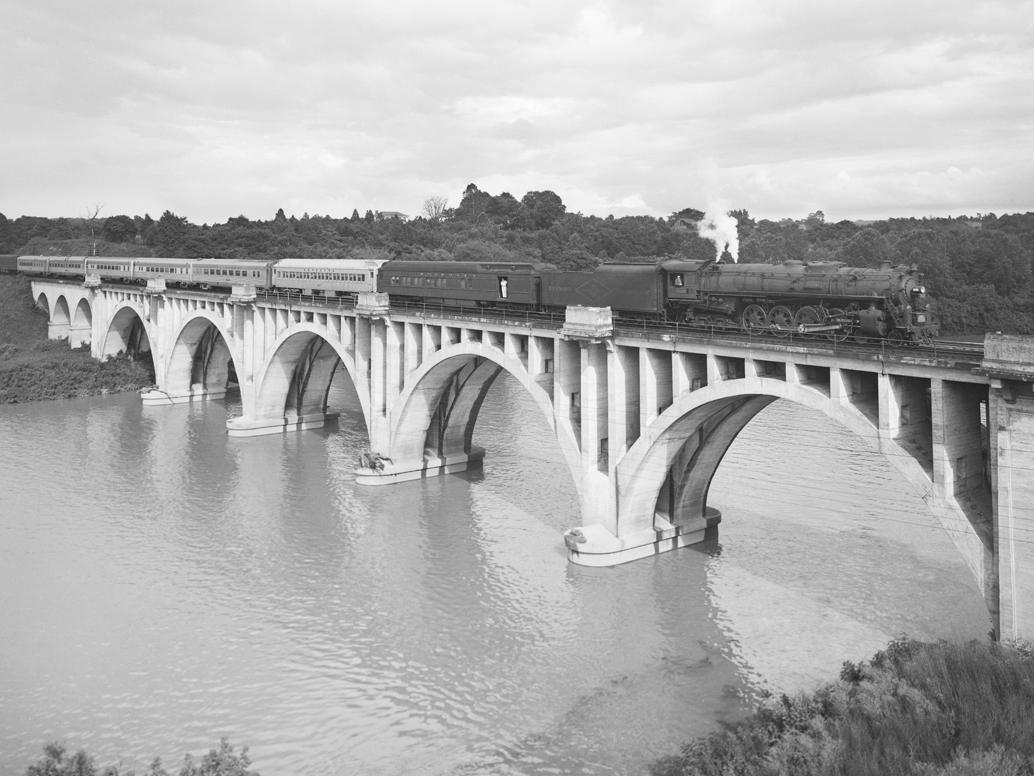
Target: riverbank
937 709
35 368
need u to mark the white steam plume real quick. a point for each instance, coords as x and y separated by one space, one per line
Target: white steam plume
720 228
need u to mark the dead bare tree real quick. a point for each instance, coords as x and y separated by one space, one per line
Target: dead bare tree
434 208
90 219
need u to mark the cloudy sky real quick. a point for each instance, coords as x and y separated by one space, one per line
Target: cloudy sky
214 109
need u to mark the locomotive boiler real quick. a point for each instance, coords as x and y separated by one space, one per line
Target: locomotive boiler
810 298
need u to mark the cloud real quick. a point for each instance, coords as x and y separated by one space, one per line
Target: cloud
216 109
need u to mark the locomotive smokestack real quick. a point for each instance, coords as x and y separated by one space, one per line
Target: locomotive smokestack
720 228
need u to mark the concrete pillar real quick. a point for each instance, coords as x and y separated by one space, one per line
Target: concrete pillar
1009 362
714 375
380 436
839 390
890 405
432 340
364 348
594 407
567 365
413 347
394 364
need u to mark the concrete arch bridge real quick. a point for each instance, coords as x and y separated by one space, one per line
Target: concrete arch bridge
643 419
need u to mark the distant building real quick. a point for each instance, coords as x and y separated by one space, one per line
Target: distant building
382 215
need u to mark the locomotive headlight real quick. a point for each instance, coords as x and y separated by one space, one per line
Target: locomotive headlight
922 289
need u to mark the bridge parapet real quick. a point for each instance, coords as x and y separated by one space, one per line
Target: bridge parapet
1008 357
588 323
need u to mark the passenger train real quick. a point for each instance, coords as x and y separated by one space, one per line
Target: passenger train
812 299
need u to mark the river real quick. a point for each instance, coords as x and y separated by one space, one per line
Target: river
163 585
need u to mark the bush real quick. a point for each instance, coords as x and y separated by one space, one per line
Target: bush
925 709
216 763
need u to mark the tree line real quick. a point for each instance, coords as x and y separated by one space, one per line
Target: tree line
980 268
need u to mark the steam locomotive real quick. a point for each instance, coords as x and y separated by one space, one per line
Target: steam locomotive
809 299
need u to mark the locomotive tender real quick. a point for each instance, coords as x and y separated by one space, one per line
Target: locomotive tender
809 299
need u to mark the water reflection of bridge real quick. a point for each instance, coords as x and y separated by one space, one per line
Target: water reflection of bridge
643 414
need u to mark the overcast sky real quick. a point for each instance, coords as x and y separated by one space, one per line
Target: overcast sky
215 109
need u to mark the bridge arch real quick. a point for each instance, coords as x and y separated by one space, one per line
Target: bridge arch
61 316
42 302
295 378
681 450
437 411
83 317
127 332
200 355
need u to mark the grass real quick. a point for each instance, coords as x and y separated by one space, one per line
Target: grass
926 709
34 368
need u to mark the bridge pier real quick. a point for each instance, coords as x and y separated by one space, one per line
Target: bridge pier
58 330
158 397
1009 362
80 335
389 472
246 426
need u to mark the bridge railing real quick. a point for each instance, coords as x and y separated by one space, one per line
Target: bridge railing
675 332
645 329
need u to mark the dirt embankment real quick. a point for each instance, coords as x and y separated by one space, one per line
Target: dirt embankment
33 368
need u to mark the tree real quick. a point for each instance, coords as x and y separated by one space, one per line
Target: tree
434 208
474 204
355 214
544 207
119 229
865 249
170 235
90 220
689 213
369 217
506 208
280 215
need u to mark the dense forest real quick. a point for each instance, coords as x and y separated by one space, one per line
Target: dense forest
979 268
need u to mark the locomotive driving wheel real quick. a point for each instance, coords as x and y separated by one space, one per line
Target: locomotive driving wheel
754 319
896 339
780 320
807 316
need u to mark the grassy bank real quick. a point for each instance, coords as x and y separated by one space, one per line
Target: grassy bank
925 709
33 367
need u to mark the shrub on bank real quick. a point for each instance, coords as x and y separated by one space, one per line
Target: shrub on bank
925 709
33 367
66 378
223 762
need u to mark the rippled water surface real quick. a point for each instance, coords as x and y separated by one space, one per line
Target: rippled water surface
163 585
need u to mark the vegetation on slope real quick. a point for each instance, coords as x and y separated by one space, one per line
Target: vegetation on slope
33 367
924 709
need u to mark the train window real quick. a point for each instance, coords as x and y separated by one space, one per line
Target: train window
678 280
504 282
